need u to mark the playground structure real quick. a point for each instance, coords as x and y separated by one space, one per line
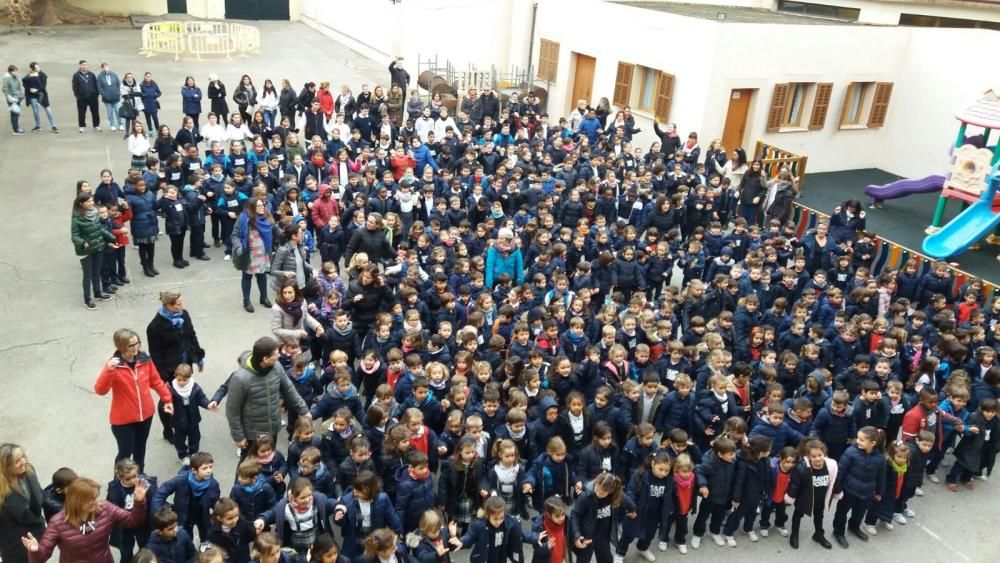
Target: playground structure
970 159
199 39
774 159
437 76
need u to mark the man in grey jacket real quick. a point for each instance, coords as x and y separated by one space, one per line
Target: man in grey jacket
86 94
255 392
109 86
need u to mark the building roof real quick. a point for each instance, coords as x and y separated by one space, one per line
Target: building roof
984 112
734 14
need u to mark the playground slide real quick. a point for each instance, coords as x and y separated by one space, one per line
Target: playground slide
904 187
960 233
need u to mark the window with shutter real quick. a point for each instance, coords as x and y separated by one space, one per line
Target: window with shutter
664 96
821 105
548 60
880 104
776 115
623 84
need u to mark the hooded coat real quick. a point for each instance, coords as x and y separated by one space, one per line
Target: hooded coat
253 405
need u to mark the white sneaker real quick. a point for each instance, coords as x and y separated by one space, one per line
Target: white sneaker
695 542
887 525
870 530
83 129
730 541
719 540
899 518
619 558
98 129
764 532
933 478
909 513
784 532
186 461
683 548
919 492
753 535
648 555
983 477
662 546
227 258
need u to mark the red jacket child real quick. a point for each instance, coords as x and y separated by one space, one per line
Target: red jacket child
118 227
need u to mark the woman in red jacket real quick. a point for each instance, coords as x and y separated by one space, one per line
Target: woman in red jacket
129 375
82 529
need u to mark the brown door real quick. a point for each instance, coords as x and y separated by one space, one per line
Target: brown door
583 81
736 118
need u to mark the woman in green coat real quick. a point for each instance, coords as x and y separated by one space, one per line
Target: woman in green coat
90 237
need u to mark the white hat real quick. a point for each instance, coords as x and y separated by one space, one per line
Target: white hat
506 233
213 77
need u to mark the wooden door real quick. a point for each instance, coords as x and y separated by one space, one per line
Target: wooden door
736 118
583 80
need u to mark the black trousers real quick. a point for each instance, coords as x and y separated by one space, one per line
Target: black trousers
780 515
817 521
717 513
261 285
147 252
82 104
177 247
152 120
198 240
131 439
187 440
857 506
600 549
680 524
91 265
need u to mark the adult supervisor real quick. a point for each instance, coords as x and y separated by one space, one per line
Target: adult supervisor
255 390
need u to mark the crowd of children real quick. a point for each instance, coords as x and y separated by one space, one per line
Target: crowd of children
538 362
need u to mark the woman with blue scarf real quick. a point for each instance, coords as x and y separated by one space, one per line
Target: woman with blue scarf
252 246
172 341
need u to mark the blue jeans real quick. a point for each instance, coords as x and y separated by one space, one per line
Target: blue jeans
112 108
269 118
48 112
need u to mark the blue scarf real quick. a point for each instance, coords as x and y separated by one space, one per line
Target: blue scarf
198 488
252 489
176 319
264 228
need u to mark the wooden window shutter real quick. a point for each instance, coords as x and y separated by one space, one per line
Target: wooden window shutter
817 120
776 115
623 84
548 60
880 104
664 96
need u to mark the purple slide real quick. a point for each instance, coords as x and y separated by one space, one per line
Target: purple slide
903 188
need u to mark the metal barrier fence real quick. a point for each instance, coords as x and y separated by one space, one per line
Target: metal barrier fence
199 38
889 255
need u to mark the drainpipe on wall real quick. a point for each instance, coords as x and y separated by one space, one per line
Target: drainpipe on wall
531 37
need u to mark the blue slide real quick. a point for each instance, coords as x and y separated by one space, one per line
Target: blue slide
969 226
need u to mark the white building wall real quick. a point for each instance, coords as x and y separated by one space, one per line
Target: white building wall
478 32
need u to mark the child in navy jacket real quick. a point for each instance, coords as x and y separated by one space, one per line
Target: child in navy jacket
861 479
751 486
496 532
591 521
194 492
651 490
188 398
834 426
715 485
169 542
231 531
415 491
675 410
120 491
251 492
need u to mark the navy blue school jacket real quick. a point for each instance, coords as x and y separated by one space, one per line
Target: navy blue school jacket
422 549
718 476
383 516
118 495
833 429
753 480
255 499
179 549
478 538
675 412
860 474
654 501
593 518
594 460
709 413
413 497
186 412
324 511
236 542
548 478
187 513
